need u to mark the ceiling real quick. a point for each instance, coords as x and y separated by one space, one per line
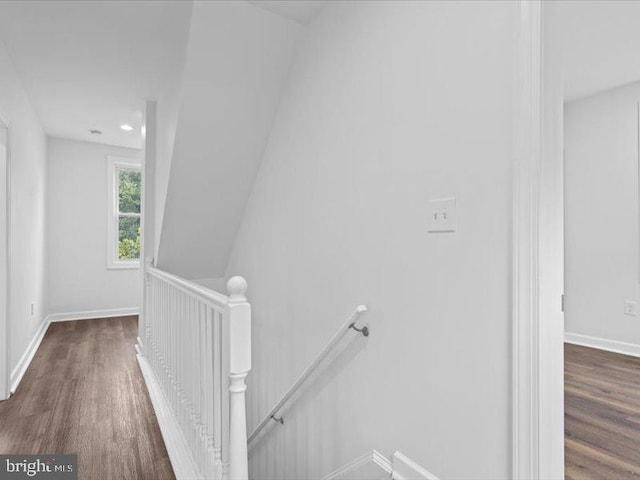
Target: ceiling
601 43
301 11
92 65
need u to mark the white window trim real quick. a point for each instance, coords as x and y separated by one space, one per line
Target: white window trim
114 164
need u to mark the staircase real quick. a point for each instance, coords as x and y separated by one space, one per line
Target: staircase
195 354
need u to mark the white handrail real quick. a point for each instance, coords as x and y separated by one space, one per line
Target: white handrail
215 299
329 346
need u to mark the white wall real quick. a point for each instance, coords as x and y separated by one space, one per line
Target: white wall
167 117
601 210
236 66
388 105
28 282
77 208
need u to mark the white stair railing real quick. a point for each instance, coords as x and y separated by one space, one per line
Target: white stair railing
197 343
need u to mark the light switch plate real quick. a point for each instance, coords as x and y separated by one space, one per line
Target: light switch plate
442 215
630 308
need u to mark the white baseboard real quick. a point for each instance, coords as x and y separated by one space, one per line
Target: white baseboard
93 314
24 362
603 344
139 346
375 465
370 465
406 469
20 369
183 466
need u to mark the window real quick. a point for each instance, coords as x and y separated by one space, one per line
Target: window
125 186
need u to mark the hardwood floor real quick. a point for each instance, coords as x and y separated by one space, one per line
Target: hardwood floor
83 393
602 415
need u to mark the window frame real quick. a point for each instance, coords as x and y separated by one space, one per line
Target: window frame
114 166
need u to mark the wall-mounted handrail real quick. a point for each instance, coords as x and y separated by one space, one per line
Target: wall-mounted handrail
349 324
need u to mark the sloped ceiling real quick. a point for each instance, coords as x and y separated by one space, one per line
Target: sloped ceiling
237 62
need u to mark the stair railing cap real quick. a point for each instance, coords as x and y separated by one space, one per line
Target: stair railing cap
237 287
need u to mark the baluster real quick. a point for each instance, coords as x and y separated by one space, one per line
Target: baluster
161 313
154 330
171 338
207 383
194 370
164 305
158 334
167 350
224 392
215 421
152 324
177 334
185 356
190 358
191 351
239 322
198 386
151 319
167 307
154 327
206 409
176 347
165 344
156 320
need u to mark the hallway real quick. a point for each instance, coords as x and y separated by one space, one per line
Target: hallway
83 393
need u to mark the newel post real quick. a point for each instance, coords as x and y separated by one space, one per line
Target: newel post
239 321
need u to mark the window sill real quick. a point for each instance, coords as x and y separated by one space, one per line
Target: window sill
124 266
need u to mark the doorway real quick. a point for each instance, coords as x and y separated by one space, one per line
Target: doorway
602 332
589 101
601 40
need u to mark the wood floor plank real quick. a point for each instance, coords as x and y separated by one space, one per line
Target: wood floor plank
602 415
83 393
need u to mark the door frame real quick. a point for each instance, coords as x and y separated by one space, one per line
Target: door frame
5 360
538 247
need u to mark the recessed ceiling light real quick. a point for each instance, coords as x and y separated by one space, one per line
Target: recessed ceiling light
95 131
126 127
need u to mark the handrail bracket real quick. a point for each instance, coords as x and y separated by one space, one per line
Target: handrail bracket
364 330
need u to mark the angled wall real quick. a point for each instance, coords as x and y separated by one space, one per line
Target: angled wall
167 105
388 106
237 61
